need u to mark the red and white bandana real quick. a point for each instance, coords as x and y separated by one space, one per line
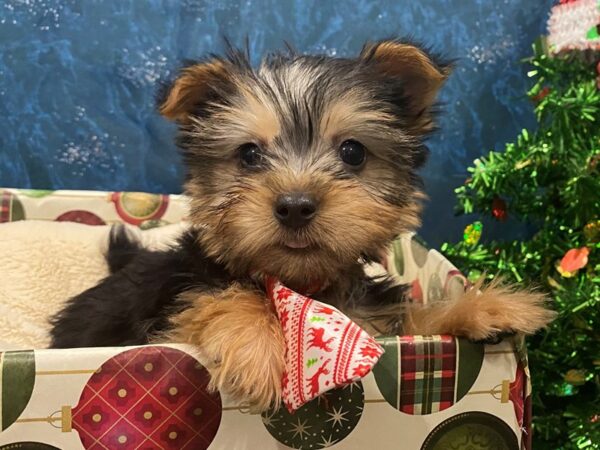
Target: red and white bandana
324 348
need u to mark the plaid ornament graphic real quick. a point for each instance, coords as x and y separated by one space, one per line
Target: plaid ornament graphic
427 373
324 348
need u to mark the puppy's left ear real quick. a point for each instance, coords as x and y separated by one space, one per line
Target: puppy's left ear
420 74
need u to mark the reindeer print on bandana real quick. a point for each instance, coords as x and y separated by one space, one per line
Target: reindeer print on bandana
324 348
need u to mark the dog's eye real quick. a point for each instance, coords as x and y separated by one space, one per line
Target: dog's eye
250 155
353 153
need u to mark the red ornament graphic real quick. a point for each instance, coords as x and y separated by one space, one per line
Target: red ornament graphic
517 394
416 291
79 216
521 401
148 398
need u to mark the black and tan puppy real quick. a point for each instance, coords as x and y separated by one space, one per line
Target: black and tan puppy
303 169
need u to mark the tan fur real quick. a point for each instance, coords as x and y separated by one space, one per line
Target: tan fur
346 209
254 112
259 115
482 312
238 335
349 113
353 117
421 76
251 118
412 64
190 88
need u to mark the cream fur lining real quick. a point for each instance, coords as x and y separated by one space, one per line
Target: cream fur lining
42 264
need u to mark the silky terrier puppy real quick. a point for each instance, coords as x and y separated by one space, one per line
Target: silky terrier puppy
304 168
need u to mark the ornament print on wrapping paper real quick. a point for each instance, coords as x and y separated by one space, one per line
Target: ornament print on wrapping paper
142 397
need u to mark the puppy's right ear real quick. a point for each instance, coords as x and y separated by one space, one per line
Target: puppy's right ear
196 85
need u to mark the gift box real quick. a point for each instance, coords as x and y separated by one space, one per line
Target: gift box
426 392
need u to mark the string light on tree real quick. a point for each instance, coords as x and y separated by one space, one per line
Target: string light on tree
472 233
574 259
499 209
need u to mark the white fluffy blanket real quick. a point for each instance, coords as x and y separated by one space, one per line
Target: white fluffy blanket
43 264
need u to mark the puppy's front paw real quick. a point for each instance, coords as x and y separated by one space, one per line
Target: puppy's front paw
248 371
483 314
496 311
240 339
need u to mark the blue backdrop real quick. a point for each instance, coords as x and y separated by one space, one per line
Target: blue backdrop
78 77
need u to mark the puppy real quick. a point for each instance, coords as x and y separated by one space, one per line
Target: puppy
304 169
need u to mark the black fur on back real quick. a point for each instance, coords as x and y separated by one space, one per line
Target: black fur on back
135 301
122 248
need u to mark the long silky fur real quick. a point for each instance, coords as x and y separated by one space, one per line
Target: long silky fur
482 312
233 331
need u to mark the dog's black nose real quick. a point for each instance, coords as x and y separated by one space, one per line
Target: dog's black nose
296 209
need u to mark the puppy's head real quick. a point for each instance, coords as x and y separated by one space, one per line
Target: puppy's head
304 165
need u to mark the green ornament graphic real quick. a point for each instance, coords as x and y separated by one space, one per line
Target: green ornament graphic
35 193
470 360
149 224
398 256
140 204
593 33
321 423
18 377
11 208
419 250
472 431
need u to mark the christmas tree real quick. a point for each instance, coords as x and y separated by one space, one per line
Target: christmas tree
549 180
